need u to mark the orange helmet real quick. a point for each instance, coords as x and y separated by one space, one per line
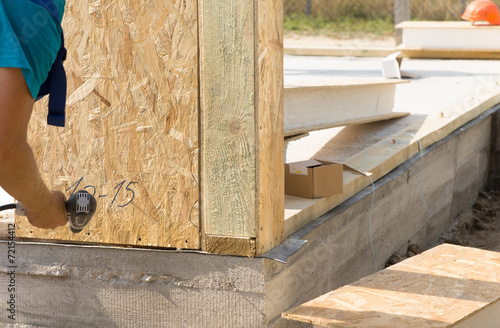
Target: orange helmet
482 10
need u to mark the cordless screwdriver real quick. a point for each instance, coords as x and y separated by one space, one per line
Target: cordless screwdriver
80 207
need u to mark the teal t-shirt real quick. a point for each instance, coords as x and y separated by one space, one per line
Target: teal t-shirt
31 38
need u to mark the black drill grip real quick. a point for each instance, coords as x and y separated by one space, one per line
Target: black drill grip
80 208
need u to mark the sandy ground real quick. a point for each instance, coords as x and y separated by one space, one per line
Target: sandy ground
292 40
480 227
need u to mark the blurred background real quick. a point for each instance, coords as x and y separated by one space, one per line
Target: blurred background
359 19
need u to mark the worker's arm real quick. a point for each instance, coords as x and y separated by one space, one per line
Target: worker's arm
19 173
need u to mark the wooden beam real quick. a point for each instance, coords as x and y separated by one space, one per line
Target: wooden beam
449 53
270 227
228 145
241 80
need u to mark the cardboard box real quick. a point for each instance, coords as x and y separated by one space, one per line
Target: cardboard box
315 178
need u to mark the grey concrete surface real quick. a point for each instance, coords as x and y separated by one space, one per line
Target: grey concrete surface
86 286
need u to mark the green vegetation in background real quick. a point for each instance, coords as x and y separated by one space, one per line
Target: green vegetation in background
354 17
351 26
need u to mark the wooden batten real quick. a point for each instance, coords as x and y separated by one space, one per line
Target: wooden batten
271 176
241 82
131 134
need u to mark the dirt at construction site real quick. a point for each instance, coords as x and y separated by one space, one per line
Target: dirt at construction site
292 39
478 227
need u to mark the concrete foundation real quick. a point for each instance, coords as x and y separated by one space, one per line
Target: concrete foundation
89 286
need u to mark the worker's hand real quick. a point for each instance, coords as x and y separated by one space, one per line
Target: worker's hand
53 215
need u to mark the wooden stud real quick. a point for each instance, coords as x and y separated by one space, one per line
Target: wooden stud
241 78
228 149
271 186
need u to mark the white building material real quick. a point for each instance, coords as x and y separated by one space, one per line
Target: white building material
315 107
423 35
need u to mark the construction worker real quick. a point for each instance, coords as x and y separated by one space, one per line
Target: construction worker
30 39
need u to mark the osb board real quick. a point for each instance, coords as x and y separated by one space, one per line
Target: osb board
271 187
434 289
131 134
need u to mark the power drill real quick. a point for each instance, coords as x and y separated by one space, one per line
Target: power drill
80 207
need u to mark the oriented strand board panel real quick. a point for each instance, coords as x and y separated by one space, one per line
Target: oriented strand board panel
131 133
437 288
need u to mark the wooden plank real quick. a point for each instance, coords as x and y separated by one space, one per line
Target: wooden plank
437 288
387 154
443 25
227 245
271 187
314 107
132 126
450 53
241 61
228 149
